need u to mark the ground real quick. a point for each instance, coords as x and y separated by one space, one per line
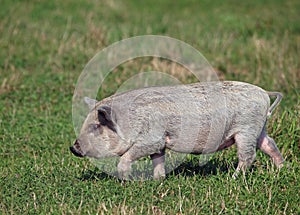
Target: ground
44 46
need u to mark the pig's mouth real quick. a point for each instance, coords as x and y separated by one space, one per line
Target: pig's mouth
75 149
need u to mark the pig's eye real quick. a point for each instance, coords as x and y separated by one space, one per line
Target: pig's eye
94 127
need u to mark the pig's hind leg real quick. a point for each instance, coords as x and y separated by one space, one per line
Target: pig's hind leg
268 146
246 148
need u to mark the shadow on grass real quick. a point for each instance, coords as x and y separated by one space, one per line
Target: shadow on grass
186 169
212 167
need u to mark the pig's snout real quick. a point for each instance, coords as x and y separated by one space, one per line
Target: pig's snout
76 150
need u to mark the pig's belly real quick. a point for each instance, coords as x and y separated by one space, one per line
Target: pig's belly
202 146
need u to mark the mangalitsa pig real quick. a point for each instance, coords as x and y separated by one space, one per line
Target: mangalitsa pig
199 118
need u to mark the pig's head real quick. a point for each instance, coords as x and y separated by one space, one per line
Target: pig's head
98 136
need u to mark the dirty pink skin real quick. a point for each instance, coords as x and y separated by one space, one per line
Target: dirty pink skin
189 119
268 146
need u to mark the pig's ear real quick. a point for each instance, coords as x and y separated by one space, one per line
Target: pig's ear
90 102
105 117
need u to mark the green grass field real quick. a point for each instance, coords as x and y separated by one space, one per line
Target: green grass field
44 46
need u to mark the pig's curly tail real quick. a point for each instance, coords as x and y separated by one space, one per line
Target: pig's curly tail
278 96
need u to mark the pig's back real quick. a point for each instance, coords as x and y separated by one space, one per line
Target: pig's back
227 94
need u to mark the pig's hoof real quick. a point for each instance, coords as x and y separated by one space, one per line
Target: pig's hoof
124 176
280 164
159 177
234 176
284 165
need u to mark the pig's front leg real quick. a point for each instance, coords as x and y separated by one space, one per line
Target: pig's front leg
158 162
138 151
124 166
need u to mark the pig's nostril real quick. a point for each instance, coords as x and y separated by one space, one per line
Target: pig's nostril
75 151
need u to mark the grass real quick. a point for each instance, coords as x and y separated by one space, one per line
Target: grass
44 46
